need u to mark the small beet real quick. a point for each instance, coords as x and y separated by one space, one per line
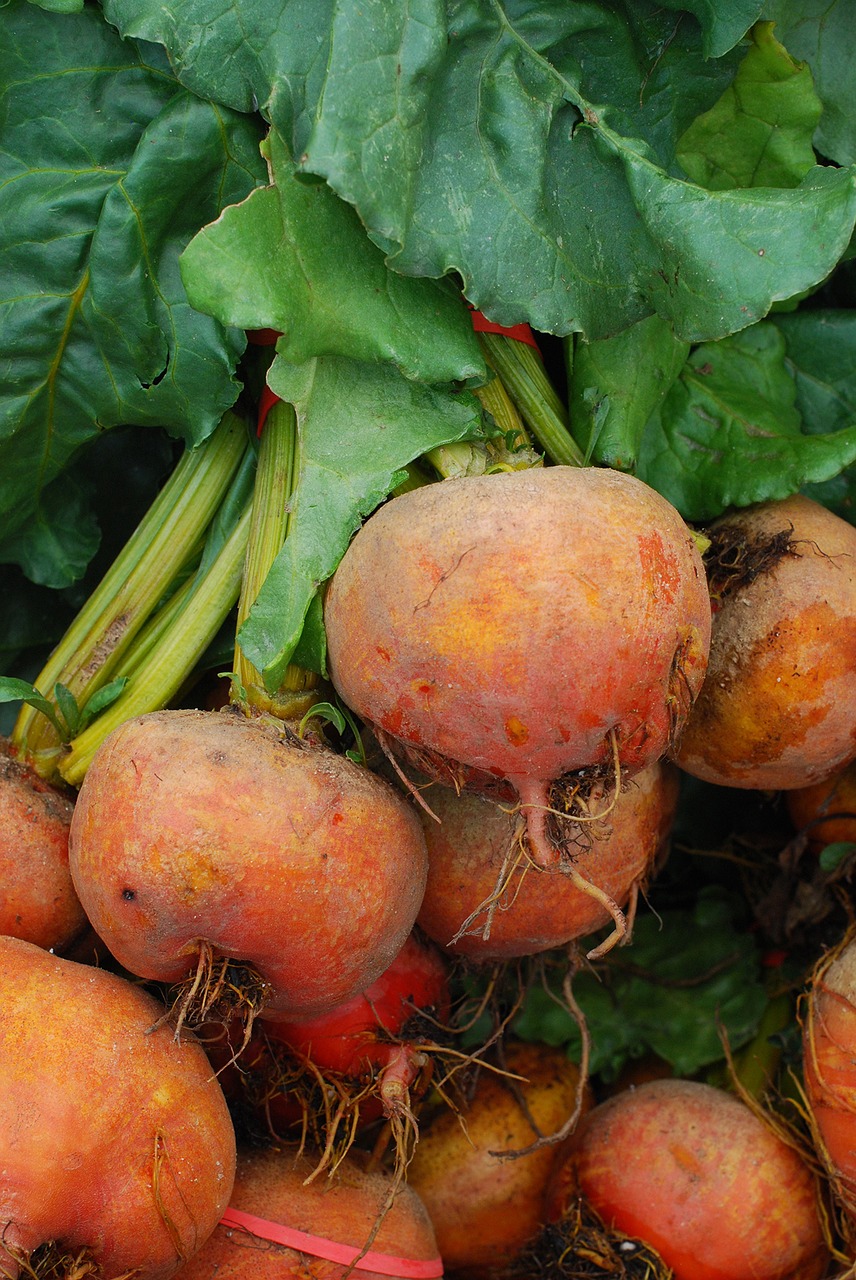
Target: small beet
778 705
486 899
485 1207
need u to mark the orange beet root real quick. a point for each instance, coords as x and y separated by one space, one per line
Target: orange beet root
341 1210
478 871
485 1208
37 898
115 1140
693 1172
778 705
521 626
826 810
829 1070
197 827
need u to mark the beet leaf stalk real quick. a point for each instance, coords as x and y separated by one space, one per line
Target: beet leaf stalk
170 648
163 552
271 515
525 378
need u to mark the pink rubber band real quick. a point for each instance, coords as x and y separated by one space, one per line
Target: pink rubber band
382 1263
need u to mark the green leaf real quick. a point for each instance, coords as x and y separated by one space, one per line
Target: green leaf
724 21
295 258
821 357
500 142
616 385
685 973
101 142
832 856
359 425
68 709
823 33
58 541
728 433
14 690
759 133
100 701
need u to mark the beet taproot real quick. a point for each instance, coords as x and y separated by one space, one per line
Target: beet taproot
512 628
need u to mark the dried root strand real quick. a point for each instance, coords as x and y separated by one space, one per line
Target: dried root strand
735 558
569 1003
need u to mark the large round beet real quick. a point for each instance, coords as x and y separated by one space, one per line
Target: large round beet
692 1171
273 1203
778 705
523 625
37 898
196 827
115 1140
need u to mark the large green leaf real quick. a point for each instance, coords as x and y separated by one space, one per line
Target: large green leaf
823 32
359 424
108 168
729 431
759 133
295 258
506 143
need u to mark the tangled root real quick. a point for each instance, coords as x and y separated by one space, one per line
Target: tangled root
582 1247
735 558
52 1261
217 991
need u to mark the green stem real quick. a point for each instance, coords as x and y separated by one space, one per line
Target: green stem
275 479
522 371
165 545
161 673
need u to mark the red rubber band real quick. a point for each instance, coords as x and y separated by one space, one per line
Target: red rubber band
267 400
520 332
382 1263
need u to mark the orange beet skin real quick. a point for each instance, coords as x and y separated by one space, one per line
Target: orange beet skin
194 825
514 622
693 1172
114 1138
